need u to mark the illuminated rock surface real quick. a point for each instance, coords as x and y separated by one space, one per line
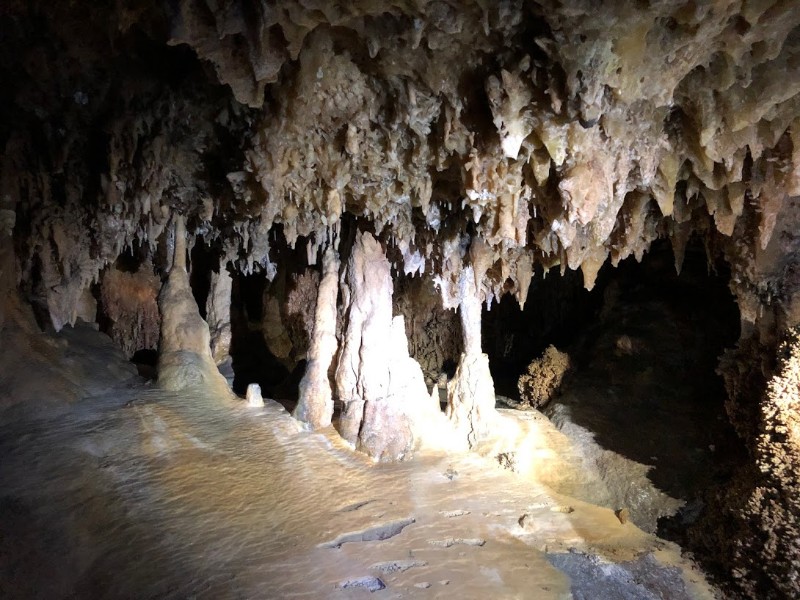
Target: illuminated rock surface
182 494
346 187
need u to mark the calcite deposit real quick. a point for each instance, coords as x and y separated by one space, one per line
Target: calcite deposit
543 377
184 359
386 165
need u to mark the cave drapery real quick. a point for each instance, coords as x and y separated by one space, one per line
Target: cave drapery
423 157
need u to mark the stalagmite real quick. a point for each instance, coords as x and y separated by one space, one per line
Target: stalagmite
253 396
218 314
362 374
470 394
184 358
315 405
375 378
511 137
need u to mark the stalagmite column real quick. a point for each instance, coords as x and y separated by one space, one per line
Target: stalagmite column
361 373
316 397
218 314
381 386
470 394
184 359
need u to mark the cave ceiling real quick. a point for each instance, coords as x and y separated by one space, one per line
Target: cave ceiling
506 135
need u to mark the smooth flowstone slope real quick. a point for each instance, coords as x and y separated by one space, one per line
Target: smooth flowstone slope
149 493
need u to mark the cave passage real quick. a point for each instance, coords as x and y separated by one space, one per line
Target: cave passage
644 347
252 359
265 264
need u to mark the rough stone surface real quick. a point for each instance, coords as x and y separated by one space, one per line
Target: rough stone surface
378 390
287 324
755 535
434 333
544 377
315 405
470 398
499 137
184 359
218 314
130 302
470 394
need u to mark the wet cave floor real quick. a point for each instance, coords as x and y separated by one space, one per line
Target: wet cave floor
114 489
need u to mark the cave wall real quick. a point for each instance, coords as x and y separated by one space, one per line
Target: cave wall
497 139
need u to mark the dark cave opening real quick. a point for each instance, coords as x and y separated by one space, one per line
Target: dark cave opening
202 262
252 359
644 347
557 310
146 361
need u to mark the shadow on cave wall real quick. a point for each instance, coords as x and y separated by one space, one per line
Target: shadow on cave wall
645 345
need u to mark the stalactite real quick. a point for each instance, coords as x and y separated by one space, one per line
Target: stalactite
608 129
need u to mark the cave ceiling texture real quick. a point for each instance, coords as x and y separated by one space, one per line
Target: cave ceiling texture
467 146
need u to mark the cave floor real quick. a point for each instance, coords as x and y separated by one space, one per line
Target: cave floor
131 492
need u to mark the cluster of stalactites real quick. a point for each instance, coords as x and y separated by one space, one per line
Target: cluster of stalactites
587 166
588 150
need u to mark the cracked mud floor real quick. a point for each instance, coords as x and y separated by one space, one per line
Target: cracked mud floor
131 492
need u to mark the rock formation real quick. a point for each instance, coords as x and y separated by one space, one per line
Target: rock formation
471 144
380 386
184 359
130 303
218 314
544 377
470 395
769 512
316 396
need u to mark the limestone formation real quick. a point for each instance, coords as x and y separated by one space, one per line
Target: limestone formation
379 384
253 396
289 310
130 303
755 528
477 142
470 394
544 377
218 314
434 333
315 405
184 359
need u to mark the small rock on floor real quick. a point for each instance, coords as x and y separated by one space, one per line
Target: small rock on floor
373 584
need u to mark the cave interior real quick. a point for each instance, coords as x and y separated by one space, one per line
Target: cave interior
503 296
